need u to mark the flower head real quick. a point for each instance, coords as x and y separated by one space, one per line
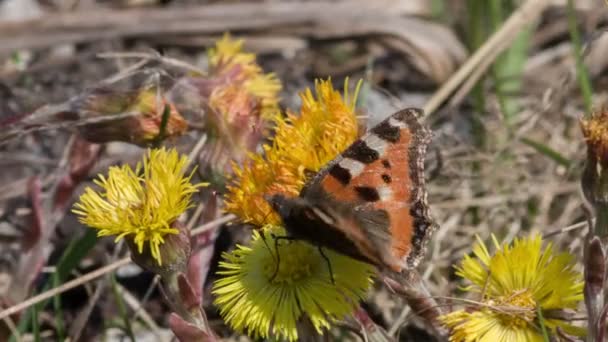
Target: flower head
594 180
140 204
234 68
237 100
266 291
268 299
515 284
326 126
595 131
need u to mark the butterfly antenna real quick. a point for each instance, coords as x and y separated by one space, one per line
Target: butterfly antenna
264 235
268 213
331 273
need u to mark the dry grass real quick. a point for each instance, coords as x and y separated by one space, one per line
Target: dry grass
489 175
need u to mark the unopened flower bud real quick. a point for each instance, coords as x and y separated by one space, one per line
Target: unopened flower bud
135 117
594 180
174 253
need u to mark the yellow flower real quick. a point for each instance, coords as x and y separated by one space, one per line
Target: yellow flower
228 60
326 126
594 179
228 52
251 296
595 131
141 205
239 101
256 297
515 284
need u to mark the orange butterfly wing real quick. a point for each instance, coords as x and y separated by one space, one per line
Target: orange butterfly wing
381 178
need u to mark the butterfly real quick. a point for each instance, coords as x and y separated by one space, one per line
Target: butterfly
370 202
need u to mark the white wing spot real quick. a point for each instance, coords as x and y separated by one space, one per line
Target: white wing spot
385 193
354 167
376 143
397 123
323 216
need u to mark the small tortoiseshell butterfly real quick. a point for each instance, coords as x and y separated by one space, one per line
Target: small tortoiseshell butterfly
369 202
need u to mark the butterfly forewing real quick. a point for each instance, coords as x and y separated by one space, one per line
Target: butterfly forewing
378 182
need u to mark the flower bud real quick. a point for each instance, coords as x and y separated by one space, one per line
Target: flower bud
594 180
134 117
174 253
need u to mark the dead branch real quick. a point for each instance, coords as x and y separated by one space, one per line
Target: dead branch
430 46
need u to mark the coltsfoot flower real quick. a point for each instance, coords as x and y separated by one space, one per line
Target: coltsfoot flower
142 204
302 144
227 59
595 131
236 101
515 284
266 300
594 180
266 292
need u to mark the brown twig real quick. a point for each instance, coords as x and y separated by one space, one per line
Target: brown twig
74 27
95 274
595 278
318 19
64 287
414 290
154 56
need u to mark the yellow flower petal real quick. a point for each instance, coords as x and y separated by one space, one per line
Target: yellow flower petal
515 282
249 296
267 300
326 126
227 59
139 205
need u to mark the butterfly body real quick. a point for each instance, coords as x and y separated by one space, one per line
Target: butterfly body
369 202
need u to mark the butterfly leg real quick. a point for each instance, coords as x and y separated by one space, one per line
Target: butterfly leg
276 248
266 242
331 273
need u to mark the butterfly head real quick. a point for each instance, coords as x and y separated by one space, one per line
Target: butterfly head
288 208
280 204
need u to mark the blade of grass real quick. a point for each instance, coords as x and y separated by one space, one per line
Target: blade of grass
547 151
58 311
364 85
541 320
162 131
507 75
122 310
35 324
474 66
438 10
508 68
477 34
581 71
75 251
113 266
